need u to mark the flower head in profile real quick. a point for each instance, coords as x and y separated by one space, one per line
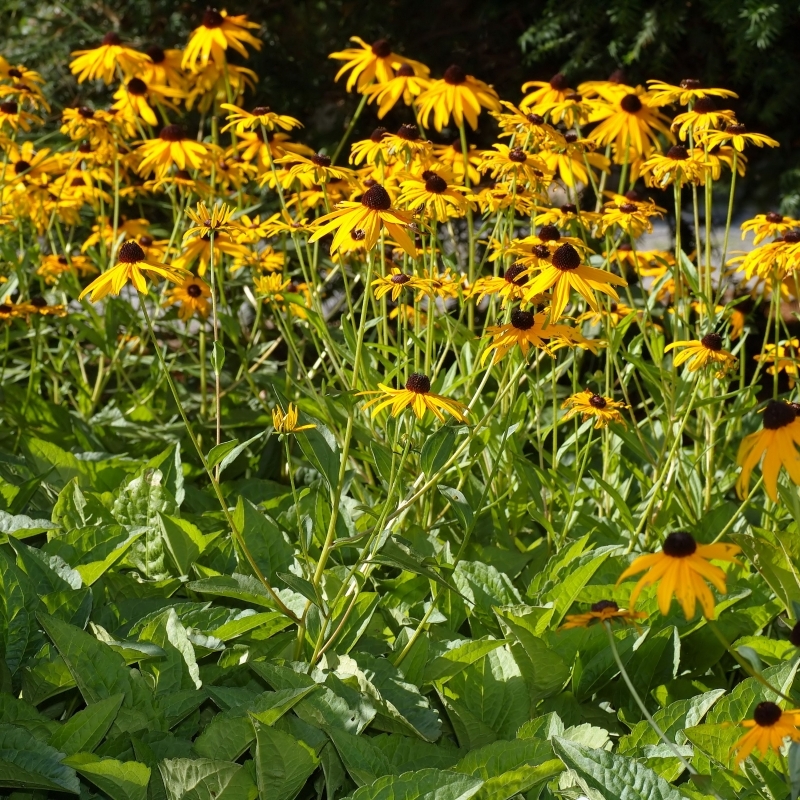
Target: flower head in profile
524 330
777 442
406 85
417 395
762 226
769 729
679 165
510 285
703 115
700 353
681 570
101 62
215 35
737 136
132 267
393 284
260 116
287 422
371 62
507 163
602 611
192 296
594 406
688 91
456 95
545 94
172 147
206 222
371 214
783 357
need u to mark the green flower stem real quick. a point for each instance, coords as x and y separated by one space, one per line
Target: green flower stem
214 482
470 227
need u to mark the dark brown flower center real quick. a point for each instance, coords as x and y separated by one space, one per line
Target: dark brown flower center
625 247
598 401
260 111
712 341
405 71
418 383
358 235
156 54
5 308
617 76
517 155
381 48
627 208
112 38
212 18
541 251
377 198
791 237
605 605
84 147
38 302
435 184
86 112
514 274
631 103
773 216
736 129
559 82
457 146
679 544
569 208
172 133
690 83
574 97
183 175
78 181
9 107
131 253
522 320
378 134
534 119
454 75
570 137
62 260
14 73
704 105
678 153
400 278
566 258
194 290
21 166
408 132
145 240
777 415
767 714
137 86
549 233
320 160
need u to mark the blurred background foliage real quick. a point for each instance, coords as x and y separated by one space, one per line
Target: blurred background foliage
750 47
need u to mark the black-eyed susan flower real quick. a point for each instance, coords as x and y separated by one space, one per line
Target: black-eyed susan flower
260 116
39 305
163 67
452 157
602 611
215 35
528 124
193 296
370 215
633 218
101 63
699 353
575 162
738 136
772 223
565 272
681 570
53 266
416 395
770 727
703 115
783 357
594 406
524 330
512 163
678 165
393 283
369 62
503 195
272 287
546 94
689 90
136 99
777 442
407 84
509 286
172 148
285 423
433 195
456 95
9 311
132 267
12 115
314 169
406 143
370 151
206 222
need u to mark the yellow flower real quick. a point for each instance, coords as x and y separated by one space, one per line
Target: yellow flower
783 358
193 294
13 116
602 611
679 165
272 287
738 136
681 570
260 116
769 729
102 62
217 32
688 91
394 282
371 62
406 84
573 163
777 442
524 330
439 199
370 150
53 266
528 124
631 217
38 305
133 266
458 95
452 157
205 223
769 224
547 94
508 163
163 67
589 404
702 352
406 143
370 215
510 286
171 148
416 395
314 170
566 272
702 116
287 423
134 99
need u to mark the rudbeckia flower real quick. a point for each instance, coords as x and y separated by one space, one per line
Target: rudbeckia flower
525 330
507 163
172 148
738 135
769 729
590 405
370 62
372 213
394 282
406 143
131 267
458 95
510 286
135 99
452 156
681 570
770 224
530 125
703 115
102 62
431 192
260 116
678 165
633 218
370 150
163 67
566 272
602 611
688 91
215 35
287 423
702 352
13 116
777 442
193 295
416 395
574 161
782 358
206 222
406 84
546 94
314 170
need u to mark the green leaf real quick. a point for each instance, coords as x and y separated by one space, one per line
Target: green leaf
184 541
396 552
365 761
568 589
85 730
178 669
18 603
459 504
612 775
206 779
226 453
283 763
94 570
424 784
141 500
120 780
28 763
245 588
320 448
267 623
437 449
264 539
459 655
217 357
